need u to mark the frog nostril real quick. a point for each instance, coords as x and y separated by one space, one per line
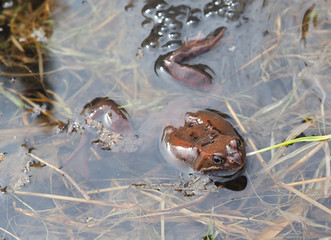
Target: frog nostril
235 158
239 144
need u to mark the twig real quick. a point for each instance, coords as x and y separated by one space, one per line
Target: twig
72 199
64 175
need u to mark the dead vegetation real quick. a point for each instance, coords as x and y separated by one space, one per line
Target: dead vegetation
288 195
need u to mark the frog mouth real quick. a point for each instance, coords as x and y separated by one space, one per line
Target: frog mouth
216 171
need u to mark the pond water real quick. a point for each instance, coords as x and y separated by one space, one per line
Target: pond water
270 74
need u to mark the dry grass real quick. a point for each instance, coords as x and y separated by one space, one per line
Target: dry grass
288 195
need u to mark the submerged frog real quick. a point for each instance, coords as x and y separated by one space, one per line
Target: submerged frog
206 144
107 125
110 123
193 76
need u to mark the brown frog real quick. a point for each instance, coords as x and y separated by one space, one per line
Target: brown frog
206 144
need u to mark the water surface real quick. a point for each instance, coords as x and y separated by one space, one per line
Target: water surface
263 75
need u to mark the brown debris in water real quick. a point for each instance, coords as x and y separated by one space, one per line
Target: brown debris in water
305 22
29 26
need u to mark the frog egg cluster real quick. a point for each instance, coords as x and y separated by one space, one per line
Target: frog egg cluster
231 9
169 22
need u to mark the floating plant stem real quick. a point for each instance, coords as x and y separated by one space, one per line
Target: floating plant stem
11 97
286 143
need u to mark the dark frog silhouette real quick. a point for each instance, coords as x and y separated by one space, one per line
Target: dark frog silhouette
193 76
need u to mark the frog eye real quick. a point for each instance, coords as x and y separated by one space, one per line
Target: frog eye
218 159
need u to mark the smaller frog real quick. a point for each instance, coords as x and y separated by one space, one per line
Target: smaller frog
107 124
206 144
110 122
108 112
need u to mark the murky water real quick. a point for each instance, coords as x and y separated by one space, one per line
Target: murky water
268 80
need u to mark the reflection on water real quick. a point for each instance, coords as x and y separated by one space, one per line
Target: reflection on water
27 95
264 77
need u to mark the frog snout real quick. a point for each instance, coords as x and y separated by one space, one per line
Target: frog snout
233 155
235 158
